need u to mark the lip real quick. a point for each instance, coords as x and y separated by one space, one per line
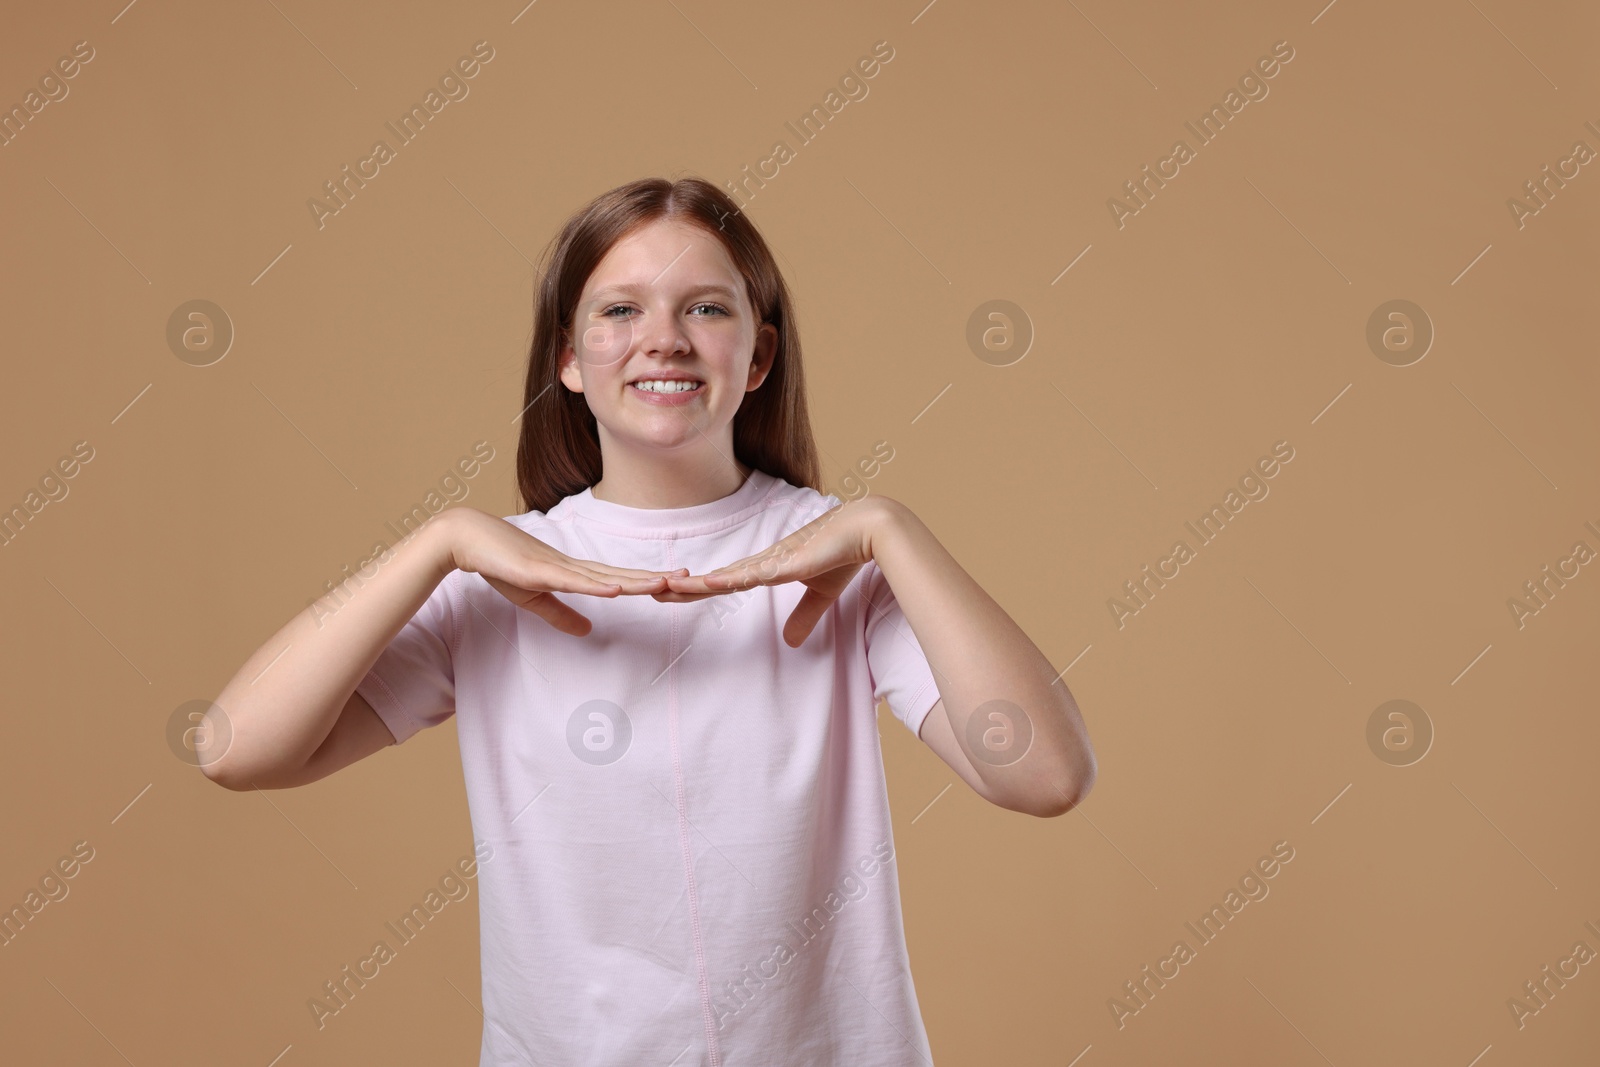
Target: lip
666 376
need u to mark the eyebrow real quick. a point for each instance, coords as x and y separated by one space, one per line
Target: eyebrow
633 289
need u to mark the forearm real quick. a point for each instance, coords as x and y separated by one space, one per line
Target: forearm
978 655
284 701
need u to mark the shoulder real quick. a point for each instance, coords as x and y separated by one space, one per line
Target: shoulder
537 523
800 501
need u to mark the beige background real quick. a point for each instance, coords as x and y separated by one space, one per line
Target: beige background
1229 314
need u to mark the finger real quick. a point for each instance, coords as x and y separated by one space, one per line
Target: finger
598 568
547 607
803 619
767 569
697 586
672 597
624 583
545 578
758 560
561 616
599 583
686 585
632 582
687 588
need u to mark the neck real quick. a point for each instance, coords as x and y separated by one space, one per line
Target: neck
658 481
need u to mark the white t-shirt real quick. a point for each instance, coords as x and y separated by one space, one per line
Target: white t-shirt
693 861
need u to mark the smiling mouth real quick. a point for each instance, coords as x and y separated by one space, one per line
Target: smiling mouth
667 387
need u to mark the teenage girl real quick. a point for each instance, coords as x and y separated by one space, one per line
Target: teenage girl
665 675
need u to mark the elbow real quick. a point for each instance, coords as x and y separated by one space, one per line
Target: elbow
217 773
1057 804
1066 791
207 745
245 778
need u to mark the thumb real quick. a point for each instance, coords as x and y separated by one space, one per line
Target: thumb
545 605
560 616
803 619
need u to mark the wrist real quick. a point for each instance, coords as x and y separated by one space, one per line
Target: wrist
885 523
440 539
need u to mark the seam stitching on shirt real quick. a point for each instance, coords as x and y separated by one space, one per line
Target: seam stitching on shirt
393 703
703 979
872 570
769 500
455 602
914 702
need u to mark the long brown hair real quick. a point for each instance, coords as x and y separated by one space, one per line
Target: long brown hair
558 453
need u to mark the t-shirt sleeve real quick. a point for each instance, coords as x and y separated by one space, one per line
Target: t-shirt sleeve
899 669
412 685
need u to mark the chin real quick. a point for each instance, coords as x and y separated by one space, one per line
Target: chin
659 435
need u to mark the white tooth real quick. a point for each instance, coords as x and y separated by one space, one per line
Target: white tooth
659 386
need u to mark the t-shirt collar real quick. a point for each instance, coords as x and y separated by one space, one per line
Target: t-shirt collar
697 518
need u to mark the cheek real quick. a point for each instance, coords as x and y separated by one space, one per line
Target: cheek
732 379
727 355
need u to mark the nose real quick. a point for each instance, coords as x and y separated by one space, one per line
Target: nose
662 335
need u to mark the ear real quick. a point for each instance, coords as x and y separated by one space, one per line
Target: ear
570 375
761 359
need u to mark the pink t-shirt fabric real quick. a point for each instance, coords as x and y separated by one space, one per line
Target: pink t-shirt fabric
693 861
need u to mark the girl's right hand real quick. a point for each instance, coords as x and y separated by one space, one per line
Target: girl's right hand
526 571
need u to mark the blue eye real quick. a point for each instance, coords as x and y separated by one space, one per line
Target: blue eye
718 308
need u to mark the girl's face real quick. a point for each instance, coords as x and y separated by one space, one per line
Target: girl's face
664 342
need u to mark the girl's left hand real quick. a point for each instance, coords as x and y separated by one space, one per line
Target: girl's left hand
824 554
